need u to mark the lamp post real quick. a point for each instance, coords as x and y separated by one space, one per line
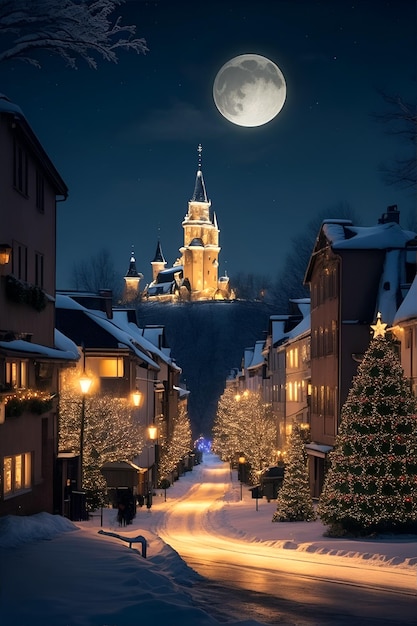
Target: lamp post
85 384
152 436
242 462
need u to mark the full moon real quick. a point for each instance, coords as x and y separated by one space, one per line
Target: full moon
249 90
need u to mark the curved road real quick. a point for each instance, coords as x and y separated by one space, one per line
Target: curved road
278 586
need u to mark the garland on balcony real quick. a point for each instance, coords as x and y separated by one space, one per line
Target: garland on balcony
36 402
25 293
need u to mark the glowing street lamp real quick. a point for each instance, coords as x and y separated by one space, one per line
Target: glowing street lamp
152 436
137 398
242 462
85 384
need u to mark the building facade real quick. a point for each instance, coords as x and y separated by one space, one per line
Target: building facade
354 273
32 353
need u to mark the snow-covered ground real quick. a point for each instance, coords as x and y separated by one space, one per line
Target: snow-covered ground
57 572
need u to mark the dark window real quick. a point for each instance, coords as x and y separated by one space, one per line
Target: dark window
39 264
40 192
20 168
20 261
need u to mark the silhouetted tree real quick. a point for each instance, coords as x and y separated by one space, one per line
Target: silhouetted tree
249 286
401 120
97 273
67 28
289 283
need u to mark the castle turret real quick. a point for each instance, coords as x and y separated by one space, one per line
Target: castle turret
158 263
132 279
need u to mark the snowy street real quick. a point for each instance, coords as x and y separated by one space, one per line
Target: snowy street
80 577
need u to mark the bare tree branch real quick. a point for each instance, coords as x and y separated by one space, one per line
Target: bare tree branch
401 120
67 28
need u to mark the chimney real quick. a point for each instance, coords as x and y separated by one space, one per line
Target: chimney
107 302
392 215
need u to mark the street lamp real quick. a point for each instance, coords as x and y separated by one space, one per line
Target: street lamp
242 462
152 436
85 384
136 397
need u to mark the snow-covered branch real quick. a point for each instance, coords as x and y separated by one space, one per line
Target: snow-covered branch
67 28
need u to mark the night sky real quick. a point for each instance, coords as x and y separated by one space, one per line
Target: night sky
124 137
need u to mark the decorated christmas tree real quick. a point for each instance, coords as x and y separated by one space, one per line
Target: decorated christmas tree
294 502
371 485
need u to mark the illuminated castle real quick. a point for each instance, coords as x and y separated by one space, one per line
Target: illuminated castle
194 276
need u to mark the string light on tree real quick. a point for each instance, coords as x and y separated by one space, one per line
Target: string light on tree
372 480
294 502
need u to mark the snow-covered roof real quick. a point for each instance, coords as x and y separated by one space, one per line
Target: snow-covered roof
389 286
278 330
408 308
301 329
64 350
143 337
159 289
257 357
7 106
171 270
64 343
124 339
343 236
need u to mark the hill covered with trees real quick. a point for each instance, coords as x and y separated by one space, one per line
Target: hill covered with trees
207 340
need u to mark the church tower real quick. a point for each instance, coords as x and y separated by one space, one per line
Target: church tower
201 249
132 279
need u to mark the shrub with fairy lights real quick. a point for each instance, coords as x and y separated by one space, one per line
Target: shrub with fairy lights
294 501
371 485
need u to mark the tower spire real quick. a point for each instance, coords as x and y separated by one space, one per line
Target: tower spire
199 194
199 150
132 271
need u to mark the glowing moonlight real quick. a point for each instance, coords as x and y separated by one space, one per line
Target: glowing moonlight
249 90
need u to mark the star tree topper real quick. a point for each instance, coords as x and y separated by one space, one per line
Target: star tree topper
379 328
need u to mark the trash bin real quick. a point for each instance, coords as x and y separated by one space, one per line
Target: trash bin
256 491
271 481
78 508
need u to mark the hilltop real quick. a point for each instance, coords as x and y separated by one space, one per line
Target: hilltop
207 340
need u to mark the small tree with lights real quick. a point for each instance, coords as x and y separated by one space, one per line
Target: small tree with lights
244 424
176 447
111 434
371 485
227 437
294 501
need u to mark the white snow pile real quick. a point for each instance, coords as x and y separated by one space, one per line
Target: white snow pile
16 529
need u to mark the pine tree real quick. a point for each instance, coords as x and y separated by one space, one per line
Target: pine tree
371 485
294 502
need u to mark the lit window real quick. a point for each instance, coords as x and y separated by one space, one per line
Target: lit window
17 473
16 374
111 368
